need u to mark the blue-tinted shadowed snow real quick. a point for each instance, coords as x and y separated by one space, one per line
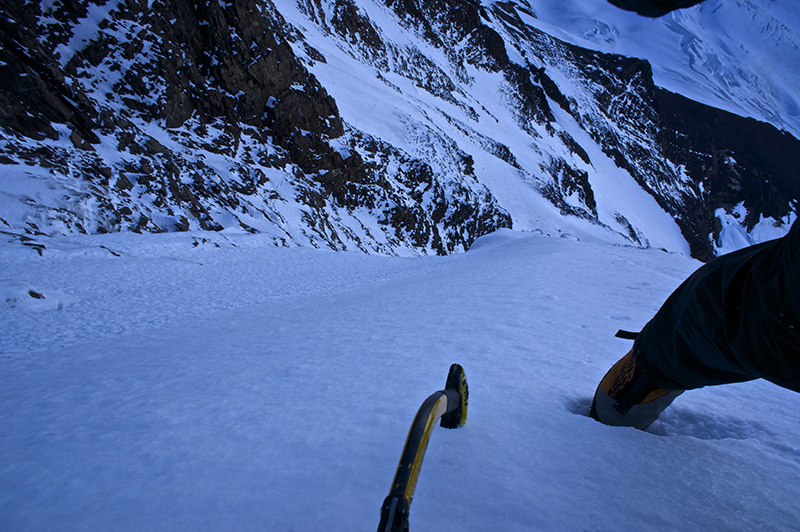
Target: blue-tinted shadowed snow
182 387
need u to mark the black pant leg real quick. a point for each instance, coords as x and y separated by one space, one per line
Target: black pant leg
736 318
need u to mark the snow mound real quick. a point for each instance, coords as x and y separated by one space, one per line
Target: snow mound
24 296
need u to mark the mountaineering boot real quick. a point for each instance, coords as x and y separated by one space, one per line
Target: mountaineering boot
626 398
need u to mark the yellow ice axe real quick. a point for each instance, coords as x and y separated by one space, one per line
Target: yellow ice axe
450 405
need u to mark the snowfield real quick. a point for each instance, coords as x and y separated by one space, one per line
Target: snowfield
213 382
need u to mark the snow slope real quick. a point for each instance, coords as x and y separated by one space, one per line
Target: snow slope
213 382
388 103
737 55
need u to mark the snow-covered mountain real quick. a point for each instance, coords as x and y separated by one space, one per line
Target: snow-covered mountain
408 126
737 55
206 378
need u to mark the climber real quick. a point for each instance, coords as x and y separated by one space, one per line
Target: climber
737 318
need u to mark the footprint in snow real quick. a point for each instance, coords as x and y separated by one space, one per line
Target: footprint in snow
21 295
580 405
677 421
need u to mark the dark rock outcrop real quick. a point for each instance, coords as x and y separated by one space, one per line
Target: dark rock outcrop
215 122
732 161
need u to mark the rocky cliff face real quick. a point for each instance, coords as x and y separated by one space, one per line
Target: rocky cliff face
404 126
739 166
693 159
180 115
